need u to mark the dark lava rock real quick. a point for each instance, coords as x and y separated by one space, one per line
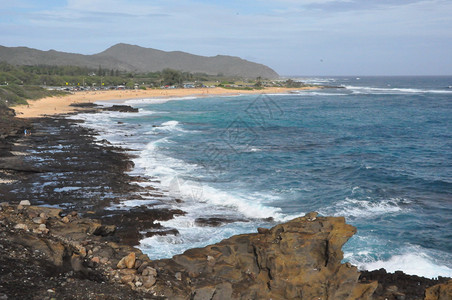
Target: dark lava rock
121 108
215 221
396 285
84 105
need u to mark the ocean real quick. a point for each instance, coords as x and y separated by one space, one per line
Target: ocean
376 150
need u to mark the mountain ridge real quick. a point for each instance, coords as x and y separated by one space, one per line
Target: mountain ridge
133 58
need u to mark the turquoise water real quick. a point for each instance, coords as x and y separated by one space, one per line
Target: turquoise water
377 151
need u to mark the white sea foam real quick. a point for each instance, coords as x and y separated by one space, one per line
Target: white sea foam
163 99
413 260
383 91
411 263
67 189
360 208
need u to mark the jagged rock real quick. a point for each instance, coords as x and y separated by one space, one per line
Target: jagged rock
439 292
297 259
65 219
105 230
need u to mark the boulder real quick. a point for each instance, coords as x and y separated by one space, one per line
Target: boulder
127 261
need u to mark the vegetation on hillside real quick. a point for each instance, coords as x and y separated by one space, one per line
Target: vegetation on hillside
13 94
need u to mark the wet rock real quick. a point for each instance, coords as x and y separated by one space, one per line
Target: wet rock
84 105
121 108
215 221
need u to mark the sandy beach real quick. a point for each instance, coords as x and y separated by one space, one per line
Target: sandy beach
61 104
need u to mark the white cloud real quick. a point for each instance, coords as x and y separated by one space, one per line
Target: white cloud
282 33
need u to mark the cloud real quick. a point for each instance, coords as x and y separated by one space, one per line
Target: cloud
282 33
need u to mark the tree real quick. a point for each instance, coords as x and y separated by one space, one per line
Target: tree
171 77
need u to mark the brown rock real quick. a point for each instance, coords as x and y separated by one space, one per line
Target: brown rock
127 271
301 255
95 259
127 261
138 263
149 272
439 292
104 260
65 219
43 215
148 281
127 278
262 230
38 220
204 293
142 267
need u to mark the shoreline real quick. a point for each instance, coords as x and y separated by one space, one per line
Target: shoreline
167 272
61 104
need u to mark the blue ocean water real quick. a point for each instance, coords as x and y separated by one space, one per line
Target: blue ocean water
377 151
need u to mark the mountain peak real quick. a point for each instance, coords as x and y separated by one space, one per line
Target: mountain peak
132 58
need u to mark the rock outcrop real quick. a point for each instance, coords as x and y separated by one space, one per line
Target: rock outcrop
439 292
300 259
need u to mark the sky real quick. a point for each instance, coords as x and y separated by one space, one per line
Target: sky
294 37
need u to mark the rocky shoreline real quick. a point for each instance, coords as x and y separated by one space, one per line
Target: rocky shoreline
72 248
